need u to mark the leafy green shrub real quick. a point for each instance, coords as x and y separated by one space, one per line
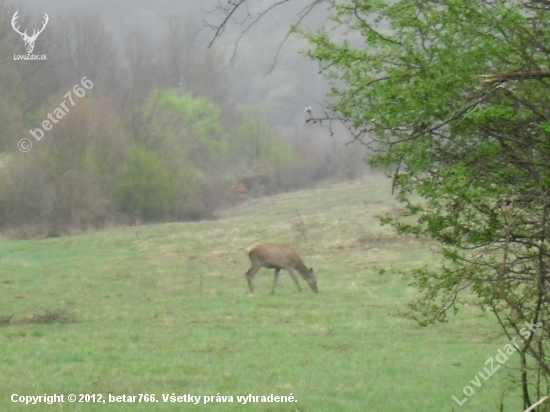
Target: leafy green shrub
145 188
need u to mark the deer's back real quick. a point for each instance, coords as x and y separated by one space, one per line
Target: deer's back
273 256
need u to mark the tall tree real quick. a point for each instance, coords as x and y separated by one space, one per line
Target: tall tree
455 96
86 47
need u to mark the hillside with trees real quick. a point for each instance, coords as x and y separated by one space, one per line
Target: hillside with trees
160 136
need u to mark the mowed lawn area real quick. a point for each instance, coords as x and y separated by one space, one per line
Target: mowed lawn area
163 309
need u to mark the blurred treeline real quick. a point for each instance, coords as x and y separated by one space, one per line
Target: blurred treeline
159 137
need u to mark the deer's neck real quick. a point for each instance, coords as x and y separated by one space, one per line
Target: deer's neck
300 267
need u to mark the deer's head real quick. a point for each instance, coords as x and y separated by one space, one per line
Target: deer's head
311 280
29 40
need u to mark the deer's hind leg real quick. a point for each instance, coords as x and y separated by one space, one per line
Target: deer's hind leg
250 275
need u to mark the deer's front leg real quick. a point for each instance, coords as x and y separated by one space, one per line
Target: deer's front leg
275 278
293 275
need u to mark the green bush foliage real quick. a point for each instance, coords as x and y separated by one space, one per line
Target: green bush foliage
145 189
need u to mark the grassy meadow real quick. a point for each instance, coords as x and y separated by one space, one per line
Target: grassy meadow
162 309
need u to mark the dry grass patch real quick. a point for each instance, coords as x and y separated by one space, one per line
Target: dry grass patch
50 316
5 320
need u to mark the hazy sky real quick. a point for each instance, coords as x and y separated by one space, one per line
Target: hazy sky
293 84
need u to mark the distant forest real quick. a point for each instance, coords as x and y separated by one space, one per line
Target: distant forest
159 134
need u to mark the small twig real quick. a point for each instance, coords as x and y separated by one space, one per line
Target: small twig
537 404
230 10
514 75
396 176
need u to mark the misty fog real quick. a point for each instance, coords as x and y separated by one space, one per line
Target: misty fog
207 127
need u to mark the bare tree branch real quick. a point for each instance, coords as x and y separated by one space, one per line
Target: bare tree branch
230 9
514 75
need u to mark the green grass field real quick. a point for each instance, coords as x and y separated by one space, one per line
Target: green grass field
162 309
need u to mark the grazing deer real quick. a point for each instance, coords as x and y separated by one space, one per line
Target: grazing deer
278 257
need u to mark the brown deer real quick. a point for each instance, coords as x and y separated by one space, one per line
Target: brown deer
278 257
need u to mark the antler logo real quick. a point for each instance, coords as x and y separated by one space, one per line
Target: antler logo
29 40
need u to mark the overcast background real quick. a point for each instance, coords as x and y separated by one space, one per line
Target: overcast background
173 129
292 85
